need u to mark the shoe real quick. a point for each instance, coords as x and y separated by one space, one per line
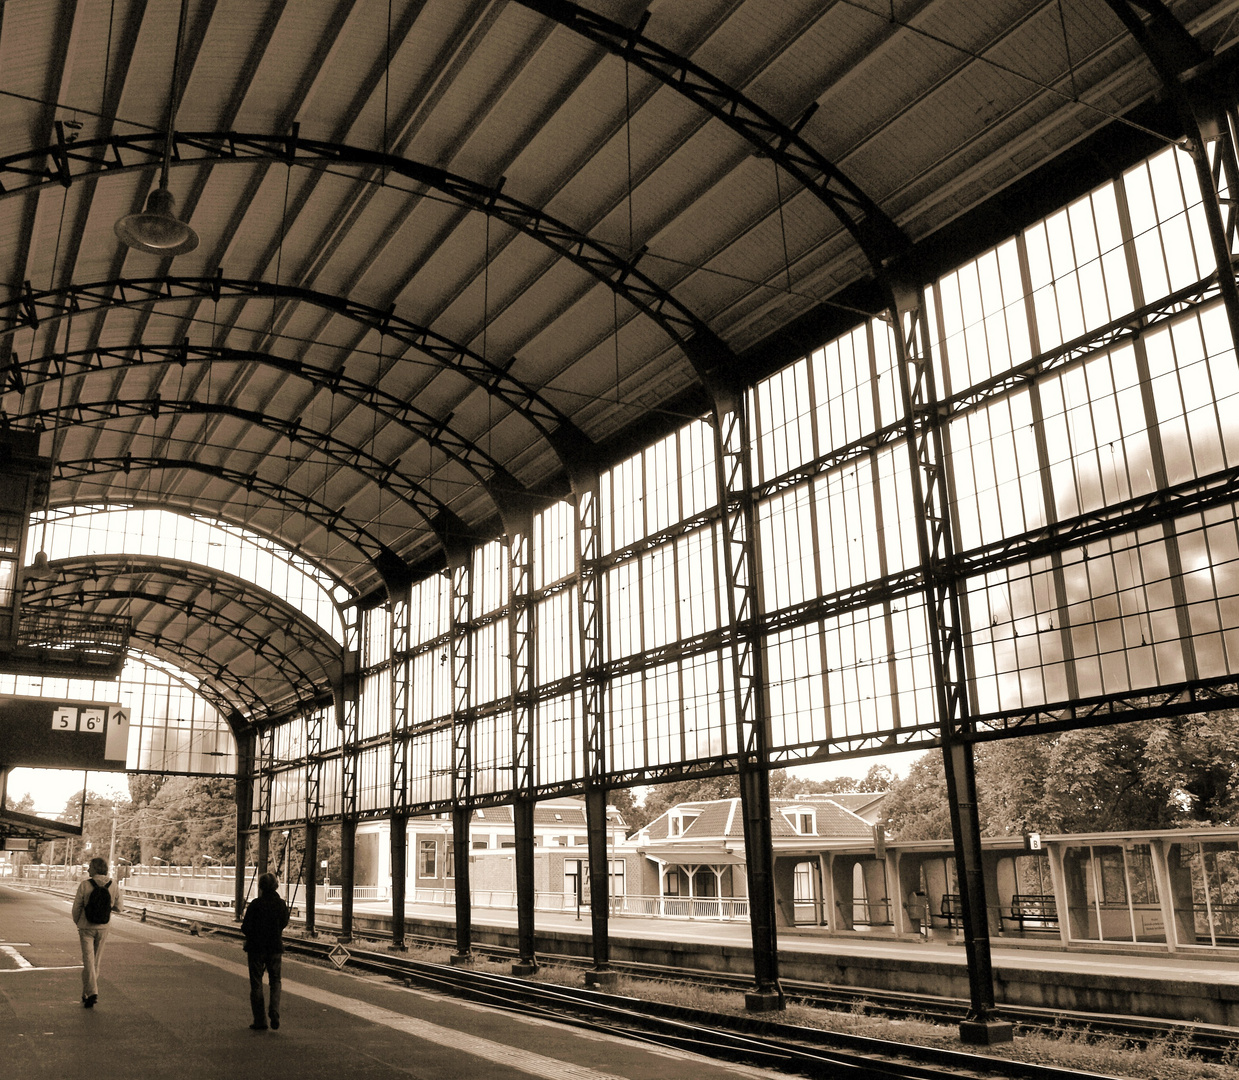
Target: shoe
258 1027
89 1002
275 1021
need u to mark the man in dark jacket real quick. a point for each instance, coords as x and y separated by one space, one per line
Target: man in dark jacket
263 927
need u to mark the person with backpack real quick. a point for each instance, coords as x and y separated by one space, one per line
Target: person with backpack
263 927
93 903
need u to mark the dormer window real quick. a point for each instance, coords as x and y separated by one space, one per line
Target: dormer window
681 820
804 822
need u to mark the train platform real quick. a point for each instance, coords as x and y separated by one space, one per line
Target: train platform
1202 989
173 1005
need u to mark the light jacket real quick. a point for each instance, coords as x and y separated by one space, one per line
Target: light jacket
83 894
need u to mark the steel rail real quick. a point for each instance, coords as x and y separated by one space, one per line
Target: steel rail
1211 1042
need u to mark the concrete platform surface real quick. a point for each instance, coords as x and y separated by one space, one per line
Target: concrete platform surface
177 1006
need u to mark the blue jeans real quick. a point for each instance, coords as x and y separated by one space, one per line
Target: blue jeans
270 963
91 939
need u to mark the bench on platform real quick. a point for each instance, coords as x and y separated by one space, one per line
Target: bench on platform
1033 911
950 911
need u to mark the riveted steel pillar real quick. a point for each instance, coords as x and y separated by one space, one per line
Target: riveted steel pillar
593 716
520 653
264 766
399 878
348 850
399 653
464 907
313 811
264 850
347 704
943 606
244 795
599 887
460 647
522 819
752 722
311 877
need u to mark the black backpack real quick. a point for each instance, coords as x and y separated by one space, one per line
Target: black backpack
99 904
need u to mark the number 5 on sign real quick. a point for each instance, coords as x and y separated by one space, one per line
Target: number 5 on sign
64 719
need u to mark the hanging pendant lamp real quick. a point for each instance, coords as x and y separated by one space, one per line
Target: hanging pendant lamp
157 230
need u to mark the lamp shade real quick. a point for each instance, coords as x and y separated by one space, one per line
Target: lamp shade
40 569
157 231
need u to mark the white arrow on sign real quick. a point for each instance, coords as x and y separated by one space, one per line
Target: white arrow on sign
116 747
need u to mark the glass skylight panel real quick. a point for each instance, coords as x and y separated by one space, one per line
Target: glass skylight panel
491 666
783 422
846 527
376 625
162 534
658 588
699 572
1171 238
374 705
554 548
697 469
662 485
489 580
995 467
430 686
1209 553
622 588
557 649
789 564
983 319
625 729
430 603
1195 393
842 389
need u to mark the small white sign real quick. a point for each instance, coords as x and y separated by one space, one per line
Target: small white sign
64 719
339 956
1034 841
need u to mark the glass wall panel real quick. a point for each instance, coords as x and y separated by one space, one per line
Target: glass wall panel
559 744
981 324
554 544
492 754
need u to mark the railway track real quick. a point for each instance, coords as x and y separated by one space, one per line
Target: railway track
1207 1041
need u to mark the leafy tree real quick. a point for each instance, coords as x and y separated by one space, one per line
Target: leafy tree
187 818
1153 774
143 787
24 805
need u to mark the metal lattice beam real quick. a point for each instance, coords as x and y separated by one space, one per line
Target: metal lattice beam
21 376
878 236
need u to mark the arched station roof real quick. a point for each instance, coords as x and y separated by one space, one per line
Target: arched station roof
452 249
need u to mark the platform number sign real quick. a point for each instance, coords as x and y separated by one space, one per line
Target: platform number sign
57 734
68 718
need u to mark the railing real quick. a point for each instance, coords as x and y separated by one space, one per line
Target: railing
716 908
335 893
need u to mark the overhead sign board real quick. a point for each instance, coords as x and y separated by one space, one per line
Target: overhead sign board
48 734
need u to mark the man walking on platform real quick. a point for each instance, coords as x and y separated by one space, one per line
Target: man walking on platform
263 927
93 903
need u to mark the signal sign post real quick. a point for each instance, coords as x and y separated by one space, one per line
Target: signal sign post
40 733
